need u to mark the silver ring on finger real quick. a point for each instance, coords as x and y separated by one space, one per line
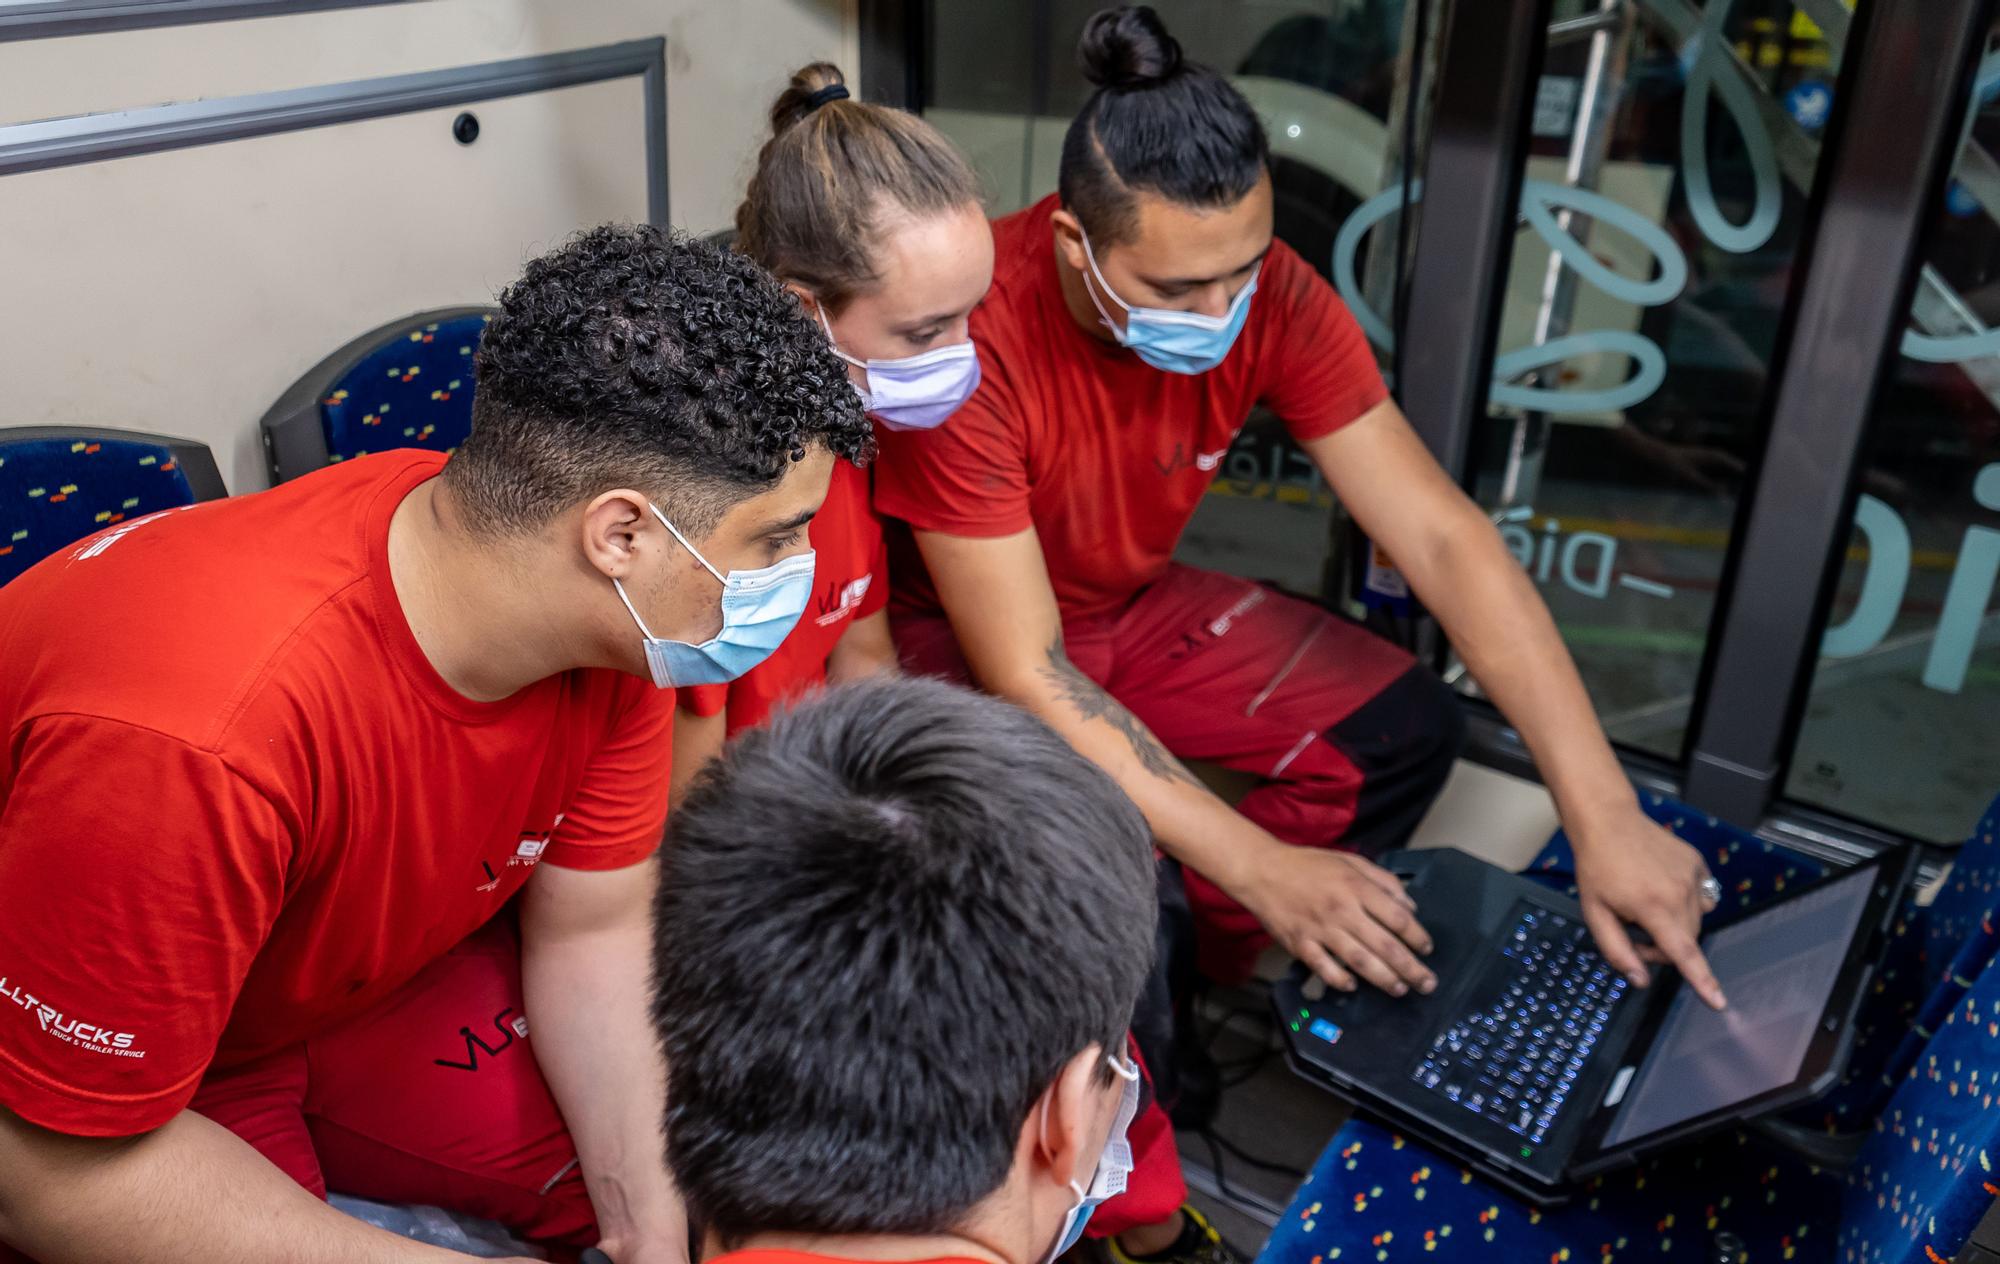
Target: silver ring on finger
1711 892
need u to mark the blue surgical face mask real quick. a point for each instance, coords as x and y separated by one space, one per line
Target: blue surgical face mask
1175 342
759 609
916 392
1113 1167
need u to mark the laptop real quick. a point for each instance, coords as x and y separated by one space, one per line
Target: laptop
1540 1066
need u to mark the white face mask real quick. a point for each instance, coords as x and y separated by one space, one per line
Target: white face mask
916 392
1114 1166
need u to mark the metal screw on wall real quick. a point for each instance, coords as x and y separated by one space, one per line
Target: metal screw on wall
465 128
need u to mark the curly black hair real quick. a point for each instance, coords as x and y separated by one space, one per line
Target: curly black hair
635 356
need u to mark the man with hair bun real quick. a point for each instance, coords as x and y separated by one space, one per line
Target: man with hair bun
1136 317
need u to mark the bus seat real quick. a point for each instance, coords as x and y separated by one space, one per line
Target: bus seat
1920 1183
406 384
1925 1177
59 484
1375 1196
1938 951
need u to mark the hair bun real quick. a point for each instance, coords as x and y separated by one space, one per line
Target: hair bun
1127 47
801 96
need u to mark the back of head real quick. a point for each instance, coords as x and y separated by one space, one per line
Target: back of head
633 356
1157 123
885 923
833 171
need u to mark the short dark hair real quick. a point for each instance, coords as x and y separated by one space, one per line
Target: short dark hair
1156 122
634 356
885 923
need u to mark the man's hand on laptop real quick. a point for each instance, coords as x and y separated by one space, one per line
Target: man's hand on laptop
1629 871
1344 917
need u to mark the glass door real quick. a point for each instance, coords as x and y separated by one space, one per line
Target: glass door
1664 200
1902 727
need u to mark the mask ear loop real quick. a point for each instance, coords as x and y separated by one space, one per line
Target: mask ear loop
620 588
866 393
719 577
819 310
1210 323
632 610
1091 258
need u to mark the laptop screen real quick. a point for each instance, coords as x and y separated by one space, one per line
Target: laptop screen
1778 968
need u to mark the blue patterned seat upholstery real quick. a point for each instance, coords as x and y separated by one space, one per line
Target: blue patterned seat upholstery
407 384
1751 870
1926 1176
1923 1178
59 485
1374 1197
1936 952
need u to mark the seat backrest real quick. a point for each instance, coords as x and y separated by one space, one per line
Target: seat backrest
1935 953
1925 1176
406 384
1752 870
60 484
1960 924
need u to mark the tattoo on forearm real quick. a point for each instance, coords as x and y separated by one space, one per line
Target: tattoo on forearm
1090 700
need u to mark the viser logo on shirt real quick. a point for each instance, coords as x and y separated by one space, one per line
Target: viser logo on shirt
844 601
528 848
531 845
1181 459
71 1031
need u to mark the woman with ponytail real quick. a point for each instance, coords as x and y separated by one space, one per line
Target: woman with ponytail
872 219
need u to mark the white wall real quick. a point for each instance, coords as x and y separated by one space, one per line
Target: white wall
182 292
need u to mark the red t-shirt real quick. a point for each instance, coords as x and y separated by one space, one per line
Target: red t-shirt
1104 455
850 581
237 802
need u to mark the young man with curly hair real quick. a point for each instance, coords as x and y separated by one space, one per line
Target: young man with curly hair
346 722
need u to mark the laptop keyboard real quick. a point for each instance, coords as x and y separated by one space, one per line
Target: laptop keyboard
1527 1033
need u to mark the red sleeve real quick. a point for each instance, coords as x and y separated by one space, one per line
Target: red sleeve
970 475
876 551
620 808
703 700
1322 373
142 876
